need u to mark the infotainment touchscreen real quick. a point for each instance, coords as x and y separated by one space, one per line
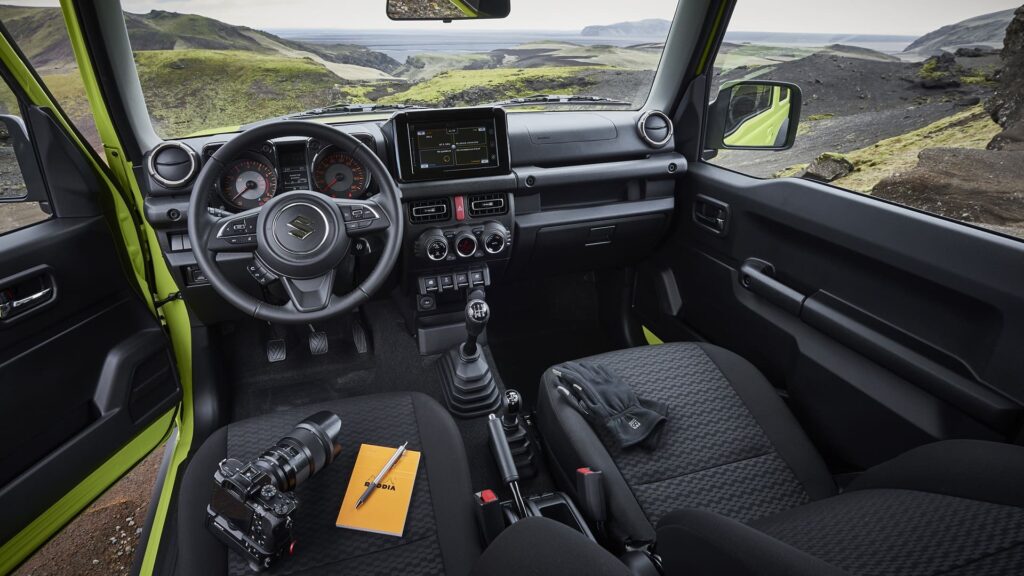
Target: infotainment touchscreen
444 144
453 145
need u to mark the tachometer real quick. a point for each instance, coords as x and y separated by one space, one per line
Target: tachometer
337 174
248 183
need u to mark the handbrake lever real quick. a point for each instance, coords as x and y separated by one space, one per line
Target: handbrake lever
506 464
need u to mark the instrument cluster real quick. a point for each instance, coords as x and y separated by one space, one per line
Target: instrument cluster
277 167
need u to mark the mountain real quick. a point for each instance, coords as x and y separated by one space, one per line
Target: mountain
651 27
40 33
984 30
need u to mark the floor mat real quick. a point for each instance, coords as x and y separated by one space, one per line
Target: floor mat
392 365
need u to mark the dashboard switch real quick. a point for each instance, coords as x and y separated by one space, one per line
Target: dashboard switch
460 208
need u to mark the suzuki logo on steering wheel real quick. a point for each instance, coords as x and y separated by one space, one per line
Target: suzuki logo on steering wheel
300 227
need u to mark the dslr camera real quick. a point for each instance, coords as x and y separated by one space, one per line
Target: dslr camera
251 507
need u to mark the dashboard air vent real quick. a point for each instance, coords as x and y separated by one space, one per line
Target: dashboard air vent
487 205
434 210
655 128
173 164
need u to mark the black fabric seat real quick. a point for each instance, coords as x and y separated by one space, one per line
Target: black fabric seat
440 536
736 487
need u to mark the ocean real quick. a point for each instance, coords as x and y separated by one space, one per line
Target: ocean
400 45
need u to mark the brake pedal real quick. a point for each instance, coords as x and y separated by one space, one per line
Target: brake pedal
277 350
317 341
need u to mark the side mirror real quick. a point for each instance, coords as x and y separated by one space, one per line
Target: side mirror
754 115
14 142
447 10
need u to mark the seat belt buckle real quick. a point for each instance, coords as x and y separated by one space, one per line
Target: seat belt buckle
590 491
490 515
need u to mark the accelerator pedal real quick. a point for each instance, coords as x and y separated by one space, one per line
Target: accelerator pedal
359 336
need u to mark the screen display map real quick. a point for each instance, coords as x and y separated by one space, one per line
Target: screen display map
453 146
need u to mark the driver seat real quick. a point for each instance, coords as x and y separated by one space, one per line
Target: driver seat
440 532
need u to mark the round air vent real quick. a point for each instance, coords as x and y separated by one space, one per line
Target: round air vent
173 164
655 128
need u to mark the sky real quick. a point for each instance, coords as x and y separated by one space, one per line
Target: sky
898 17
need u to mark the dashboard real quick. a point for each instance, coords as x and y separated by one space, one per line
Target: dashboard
281 166
489 197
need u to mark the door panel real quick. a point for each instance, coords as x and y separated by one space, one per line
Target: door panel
886 327
85 366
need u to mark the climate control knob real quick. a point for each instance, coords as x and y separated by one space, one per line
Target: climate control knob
465 243
495 237
432 245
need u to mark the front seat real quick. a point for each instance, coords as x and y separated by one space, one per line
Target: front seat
440 535
736 487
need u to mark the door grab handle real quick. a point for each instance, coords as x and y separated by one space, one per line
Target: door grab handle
11 308
758 277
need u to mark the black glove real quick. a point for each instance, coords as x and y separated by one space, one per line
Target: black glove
609 403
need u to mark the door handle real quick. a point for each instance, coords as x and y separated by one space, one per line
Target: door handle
711 214
10 308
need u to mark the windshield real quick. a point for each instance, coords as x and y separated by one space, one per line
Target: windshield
210 66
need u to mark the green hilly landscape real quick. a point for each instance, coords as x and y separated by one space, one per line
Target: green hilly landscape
199 73
866 112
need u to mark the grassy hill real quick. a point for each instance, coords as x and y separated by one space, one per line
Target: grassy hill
41 34
189 90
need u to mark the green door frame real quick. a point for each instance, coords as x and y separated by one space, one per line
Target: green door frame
146 262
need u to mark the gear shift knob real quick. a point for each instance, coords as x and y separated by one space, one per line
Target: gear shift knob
513 403
477 315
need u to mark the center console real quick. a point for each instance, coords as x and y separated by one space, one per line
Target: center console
458 237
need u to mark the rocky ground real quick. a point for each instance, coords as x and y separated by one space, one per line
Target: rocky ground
102 540
983 187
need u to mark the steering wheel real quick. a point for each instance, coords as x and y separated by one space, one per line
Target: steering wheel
299 237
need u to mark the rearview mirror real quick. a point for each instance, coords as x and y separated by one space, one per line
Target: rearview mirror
754 115
447 10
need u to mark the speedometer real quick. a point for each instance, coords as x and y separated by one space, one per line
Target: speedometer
248 183
339 175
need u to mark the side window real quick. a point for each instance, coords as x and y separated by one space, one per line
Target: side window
42 36
924 108
16 210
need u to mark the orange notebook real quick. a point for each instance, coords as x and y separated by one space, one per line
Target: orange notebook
385 510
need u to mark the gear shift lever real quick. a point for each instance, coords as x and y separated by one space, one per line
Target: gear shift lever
477 315
469 387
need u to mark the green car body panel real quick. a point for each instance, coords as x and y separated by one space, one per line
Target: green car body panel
154 279
762 129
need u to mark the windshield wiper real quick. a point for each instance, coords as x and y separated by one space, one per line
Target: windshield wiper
352 109
557 99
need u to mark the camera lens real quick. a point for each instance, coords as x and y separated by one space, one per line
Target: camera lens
312 445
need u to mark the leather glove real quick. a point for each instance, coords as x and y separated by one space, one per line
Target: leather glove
609 404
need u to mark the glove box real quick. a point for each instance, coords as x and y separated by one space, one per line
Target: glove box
577 246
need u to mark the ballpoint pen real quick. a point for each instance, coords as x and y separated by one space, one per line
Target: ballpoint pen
383 472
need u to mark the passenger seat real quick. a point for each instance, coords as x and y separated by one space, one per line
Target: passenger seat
736 487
